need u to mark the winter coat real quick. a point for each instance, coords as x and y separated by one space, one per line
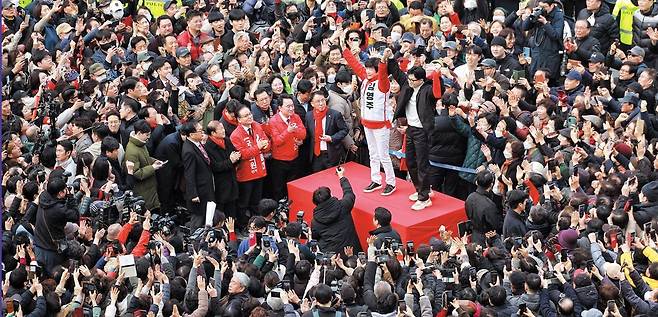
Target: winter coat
170 176
605 28
644 212
385 232
333 225
52 216
226 184
513 225
484 215
588 296
446 143
146 184
586 47
232 304
507 65
546 42
339 102
641 23
474 156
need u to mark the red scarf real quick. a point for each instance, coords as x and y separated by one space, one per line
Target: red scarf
233 122
218 141
318 115
217 84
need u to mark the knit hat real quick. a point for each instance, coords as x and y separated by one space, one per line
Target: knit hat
650 191
498 40
592 312
568 238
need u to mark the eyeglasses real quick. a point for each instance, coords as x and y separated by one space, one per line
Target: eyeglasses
247 115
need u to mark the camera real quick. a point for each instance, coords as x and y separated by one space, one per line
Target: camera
536 13
282 211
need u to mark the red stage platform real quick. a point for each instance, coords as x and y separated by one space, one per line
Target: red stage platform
417 226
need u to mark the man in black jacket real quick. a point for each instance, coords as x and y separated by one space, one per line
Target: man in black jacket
199 182
604 26
329 149
53 214
332 224
482 210
506 63
447 146
223 157
170 176
382 222
514 224
583 44
416 102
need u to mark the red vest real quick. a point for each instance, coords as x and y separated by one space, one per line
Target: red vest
283 142
252 162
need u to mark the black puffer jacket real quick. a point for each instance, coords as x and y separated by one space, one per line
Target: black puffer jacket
642 21
232 304
643 213
605 28
385 232
588 296
332 224
446 143
52 216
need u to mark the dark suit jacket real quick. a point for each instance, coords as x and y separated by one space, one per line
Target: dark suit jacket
223 170
425 100
171 174
335 127
198 174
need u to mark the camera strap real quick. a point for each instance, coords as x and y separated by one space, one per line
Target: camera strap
57 242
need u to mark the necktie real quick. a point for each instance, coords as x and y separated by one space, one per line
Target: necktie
250 132
205 154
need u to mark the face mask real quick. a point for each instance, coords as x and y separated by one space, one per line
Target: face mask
508 155
395 36
348 89
217 77
498 18
454 313
331 78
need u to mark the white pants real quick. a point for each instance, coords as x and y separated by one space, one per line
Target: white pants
378 150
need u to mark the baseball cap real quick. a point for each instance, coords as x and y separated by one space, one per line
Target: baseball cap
636 50
407 37
95 68
498 40
182 51
8 4
574 75
488 62
143 57
167 4
597 57
630 98
450 44
63 28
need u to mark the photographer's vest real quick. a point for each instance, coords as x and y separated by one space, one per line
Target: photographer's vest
624 10
374 106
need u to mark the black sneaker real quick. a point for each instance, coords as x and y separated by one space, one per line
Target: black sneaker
372 187
389 189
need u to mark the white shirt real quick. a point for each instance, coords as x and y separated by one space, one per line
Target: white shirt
323 144
413 119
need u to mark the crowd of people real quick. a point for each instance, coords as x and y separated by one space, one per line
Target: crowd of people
145 158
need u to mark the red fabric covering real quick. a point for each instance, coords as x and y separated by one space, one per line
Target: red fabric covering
417 226
533 192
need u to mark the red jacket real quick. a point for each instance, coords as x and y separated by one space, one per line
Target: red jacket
252 162
284 147
141 247
185 39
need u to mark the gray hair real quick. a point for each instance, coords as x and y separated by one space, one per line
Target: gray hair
240 34
242 278
382 288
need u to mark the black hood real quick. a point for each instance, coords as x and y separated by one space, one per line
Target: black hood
327 212
588 296
47 201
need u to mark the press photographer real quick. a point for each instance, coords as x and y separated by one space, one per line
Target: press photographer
58 204
546 24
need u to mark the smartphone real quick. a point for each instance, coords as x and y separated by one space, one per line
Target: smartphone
581 210
259 238
526 52
402 305
410 247
647 227
612 305
156 288
522 308
72 266
275 294
494 277
479 73
508 264
540 77
613 240
465 228
78 312
564 256
172 79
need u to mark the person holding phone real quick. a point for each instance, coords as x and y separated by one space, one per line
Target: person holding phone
547 26
144 165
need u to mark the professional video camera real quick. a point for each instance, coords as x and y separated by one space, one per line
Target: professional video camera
304 224
282 210
536 13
